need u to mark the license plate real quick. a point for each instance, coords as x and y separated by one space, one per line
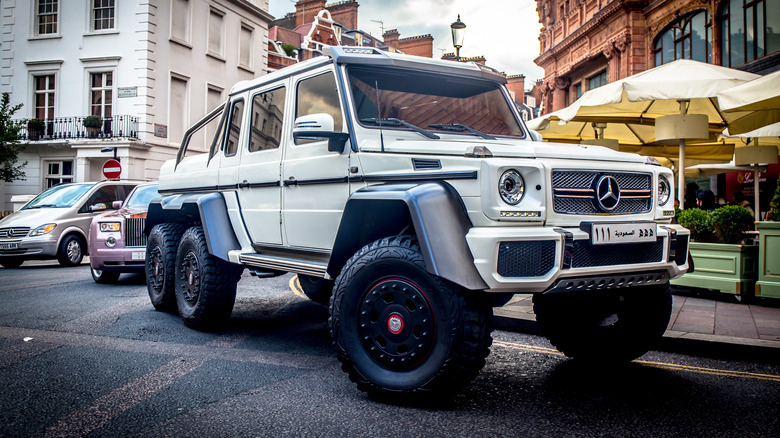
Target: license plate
607 234
13 245
138 255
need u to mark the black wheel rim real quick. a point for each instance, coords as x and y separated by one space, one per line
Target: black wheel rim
396 324
156 269
190 274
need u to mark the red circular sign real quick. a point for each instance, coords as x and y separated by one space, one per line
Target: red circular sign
112 169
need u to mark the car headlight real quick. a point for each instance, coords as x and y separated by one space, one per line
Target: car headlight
511 187
109 226
43 229
664 190
111 241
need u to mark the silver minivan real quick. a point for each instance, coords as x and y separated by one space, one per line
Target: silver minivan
55 224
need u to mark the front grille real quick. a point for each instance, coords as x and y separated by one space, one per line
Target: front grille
526 259
15 232
574 192
134 232
586 255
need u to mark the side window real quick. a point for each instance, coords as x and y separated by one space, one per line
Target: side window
319 95
267 114
234 128
105 195
127 189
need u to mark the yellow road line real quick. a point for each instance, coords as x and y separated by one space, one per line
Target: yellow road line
295 287
661 365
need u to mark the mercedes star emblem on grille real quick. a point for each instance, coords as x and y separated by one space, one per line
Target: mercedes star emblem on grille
607 193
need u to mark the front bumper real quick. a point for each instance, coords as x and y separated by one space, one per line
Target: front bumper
32 248
117 258
540 259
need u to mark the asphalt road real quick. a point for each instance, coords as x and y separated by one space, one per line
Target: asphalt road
82 359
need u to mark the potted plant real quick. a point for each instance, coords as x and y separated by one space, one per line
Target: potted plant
35 128
768 285
721 260
93 124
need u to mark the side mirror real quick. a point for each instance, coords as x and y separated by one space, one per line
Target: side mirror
97 207
319 127
116 205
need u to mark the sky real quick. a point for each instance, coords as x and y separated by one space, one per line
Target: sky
505 32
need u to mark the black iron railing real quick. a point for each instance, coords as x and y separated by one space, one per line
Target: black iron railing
73 128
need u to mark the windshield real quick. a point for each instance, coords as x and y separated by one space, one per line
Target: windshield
431 102
63 196
141 197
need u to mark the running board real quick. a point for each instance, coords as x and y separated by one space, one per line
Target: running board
278 263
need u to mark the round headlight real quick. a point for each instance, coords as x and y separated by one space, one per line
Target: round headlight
664 190
111 241
511 187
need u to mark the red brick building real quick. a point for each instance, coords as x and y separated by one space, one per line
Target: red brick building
588 43
302 34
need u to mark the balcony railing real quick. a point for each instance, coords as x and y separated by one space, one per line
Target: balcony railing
60 128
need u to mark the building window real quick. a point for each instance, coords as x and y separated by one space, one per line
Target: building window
245 47
216 33
44 97
102 14
46 17
578 91
687 38
102 97
58 172
180 21
597 81
750 29
178 105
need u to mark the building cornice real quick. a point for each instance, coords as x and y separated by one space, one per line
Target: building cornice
598 19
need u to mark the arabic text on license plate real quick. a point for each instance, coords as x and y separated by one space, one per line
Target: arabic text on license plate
603 234
12 245
139 255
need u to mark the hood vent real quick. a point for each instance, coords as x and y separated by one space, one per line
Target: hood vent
426 164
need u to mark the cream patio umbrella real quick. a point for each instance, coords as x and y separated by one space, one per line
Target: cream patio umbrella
683 87
759 103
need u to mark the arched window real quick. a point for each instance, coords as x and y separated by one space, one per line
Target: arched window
750 29
687 38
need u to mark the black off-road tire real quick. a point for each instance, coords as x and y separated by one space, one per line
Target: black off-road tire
605 326
104 277
205 284
317 289
160 265
400 331
11 262
71 251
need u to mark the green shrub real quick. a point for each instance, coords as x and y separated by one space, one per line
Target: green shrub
731 221
35 125
289 49
697 221
92 121
774 214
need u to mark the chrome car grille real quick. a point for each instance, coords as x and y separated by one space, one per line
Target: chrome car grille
575 192
15 232
134 231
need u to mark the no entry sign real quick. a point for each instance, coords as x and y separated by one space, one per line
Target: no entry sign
112 169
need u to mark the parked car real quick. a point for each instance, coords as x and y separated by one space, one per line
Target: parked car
55 223
117 242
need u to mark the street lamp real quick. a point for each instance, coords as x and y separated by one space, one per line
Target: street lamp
458 30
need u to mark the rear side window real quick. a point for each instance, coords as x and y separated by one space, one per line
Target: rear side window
234 128
319 95
267 117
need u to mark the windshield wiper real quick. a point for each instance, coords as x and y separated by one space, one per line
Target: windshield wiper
459 127
392 121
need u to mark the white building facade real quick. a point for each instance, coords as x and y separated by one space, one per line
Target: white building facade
146 68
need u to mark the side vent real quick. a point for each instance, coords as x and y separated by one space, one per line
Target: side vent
426 164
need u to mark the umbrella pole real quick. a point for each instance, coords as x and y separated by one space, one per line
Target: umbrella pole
755 193
681 176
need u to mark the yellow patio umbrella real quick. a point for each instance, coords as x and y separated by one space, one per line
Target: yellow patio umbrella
684 87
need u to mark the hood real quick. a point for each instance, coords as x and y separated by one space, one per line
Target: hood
33 217
123 212
505 148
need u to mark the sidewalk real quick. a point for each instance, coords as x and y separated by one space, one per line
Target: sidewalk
705 318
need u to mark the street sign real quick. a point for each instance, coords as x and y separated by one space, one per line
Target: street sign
112 169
